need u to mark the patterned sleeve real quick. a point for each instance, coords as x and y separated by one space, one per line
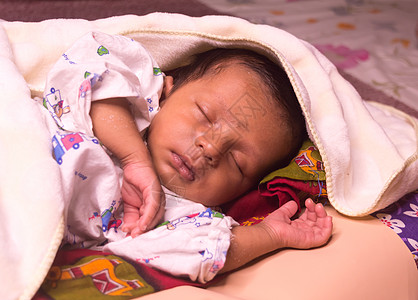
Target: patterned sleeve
100 66
194 245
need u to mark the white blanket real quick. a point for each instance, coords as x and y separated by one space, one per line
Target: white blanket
369 151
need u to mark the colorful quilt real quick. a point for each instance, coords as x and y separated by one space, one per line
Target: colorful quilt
92 275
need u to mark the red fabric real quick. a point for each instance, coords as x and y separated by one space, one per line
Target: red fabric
250 205
283 190
270 196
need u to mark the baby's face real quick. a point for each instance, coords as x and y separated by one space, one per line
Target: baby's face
215 137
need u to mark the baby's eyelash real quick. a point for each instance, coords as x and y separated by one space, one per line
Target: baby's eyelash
203 113
236 163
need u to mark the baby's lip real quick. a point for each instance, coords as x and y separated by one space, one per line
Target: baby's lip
183 167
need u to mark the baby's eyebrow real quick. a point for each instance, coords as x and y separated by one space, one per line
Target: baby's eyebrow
245 109
223 130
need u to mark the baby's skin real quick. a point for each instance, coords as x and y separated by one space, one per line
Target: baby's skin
277 231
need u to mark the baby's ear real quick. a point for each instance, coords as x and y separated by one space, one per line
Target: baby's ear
168 85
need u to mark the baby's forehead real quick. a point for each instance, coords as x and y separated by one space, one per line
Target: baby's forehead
253 101
248 109
237 67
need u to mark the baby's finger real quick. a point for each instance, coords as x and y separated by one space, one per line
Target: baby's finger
320 210
131 195
128 228
135 232
151 213
309 204
289 208
309 213
327 226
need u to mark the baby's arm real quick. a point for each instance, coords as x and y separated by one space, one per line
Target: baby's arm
312 229
142 195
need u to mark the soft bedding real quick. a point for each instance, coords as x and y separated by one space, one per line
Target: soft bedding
28 50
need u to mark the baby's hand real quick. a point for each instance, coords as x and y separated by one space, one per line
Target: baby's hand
312 229
143 198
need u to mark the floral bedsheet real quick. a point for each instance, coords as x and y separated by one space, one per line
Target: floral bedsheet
374 40
402 217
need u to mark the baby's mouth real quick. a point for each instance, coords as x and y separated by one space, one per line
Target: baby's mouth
183 167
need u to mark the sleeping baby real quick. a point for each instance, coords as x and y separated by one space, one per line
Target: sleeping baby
137 148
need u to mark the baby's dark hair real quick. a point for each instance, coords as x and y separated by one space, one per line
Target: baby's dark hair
274 77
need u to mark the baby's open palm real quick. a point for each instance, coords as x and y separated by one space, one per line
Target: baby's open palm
312 229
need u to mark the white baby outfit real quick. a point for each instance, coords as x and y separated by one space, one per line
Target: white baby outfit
193 239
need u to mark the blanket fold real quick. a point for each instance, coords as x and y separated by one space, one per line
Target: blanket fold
31 199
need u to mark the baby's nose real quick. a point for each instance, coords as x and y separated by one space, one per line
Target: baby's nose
214 144
210 152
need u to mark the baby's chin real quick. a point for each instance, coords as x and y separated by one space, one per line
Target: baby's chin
176 189
194 193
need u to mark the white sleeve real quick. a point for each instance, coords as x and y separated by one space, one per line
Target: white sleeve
194 245
100 66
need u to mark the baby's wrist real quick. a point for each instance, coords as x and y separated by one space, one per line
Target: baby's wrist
272 240
139 157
